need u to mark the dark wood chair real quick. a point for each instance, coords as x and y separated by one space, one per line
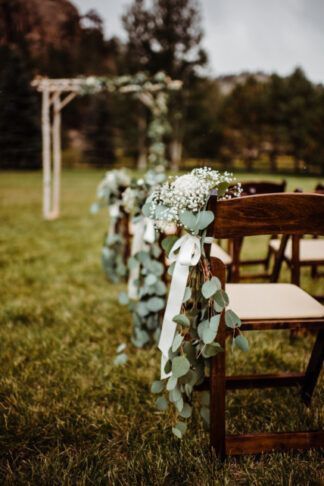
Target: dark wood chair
266 306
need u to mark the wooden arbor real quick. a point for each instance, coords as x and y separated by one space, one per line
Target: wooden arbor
57 93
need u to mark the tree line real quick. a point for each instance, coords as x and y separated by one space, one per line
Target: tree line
256 121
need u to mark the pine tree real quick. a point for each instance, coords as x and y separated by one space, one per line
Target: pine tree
98 132
20 139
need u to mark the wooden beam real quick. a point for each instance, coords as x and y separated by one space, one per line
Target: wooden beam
268 442
239 382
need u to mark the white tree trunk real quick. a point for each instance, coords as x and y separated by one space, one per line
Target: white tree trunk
46 134
57 158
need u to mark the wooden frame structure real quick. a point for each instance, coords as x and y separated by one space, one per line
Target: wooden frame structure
56 94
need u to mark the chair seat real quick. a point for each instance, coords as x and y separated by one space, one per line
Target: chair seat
217 251
310 250
272 301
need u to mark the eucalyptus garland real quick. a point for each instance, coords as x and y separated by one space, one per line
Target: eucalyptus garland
109 195
193 332
153 91
146 289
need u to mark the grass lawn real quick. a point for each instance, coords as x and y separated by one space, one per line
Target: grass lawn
67 415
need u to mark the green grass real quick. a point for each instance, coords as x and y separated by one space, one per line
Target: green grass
67 415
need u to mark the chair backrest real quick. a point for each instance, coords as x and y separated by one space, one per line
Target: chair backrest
286 213
319 189
262 187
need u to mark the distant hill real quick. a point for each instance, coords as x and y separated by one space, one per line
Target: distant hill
228 82
52 34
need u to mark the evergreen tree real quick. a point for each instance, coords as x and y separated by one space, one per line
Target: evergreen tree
98 131
20 139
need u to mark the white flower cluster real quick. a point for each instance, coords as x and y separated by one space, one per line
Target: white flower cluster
114 182
189 192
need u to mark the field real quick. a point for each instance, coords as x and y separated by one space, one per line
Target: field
67 414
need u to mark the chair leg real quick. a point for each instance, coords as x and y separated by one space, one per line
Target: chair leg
313 368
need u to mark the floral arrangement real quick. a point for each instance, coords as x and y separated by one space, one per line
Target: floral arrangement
146 288
196 300
109 194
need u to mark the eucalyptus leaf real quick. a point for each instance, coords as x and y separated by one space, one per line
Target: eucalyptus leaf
188 219
161 404
168 366
178 338
242 343
211 350
186 411
168 242
181 319
155 304
180 429
120 359
151 279
231 319
201 328
210 287
221 299
180 366
174 395
208 335
203 220
160 288
171 383
179 405
157 386
187 295
123 298
214 323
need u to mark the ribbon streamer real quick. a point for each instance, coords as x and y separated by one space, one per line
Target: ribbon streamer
189 255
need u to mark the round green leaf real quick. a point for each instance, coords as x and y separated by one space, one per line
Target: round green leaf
208 335
180 366
204 218
186 411
221 299
157 386
210 287
121 359
155 304
181 319
161 403
172 383
214 323
241 342
231 319
178 338
123 298
188 219
187 295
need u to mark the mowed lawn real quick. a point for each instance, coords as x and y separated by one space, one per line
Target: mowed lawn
67 414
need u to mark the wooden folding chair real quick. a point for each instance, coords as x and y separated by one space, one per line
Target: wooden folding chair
266 306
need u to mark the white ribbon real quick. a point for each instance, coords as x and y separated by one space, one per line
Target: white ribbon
189 255
143 233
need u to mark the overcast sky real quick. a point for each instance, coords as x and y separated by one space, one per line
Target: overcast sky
267 35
